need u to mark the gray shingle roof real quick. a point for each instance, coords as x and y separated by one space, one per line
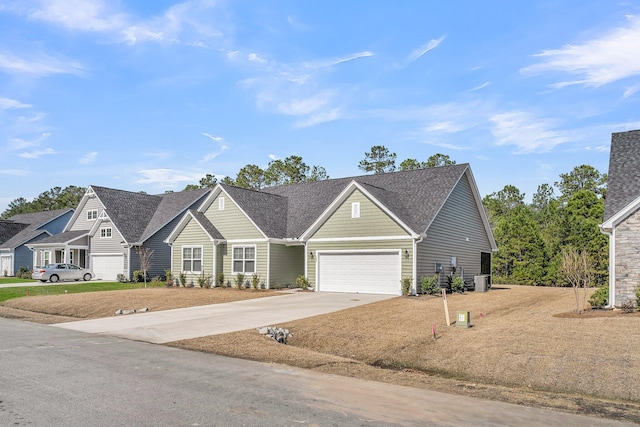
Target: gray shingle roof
206 224
65 237
8 229
623 184
268 211
34 221
415 197
138 216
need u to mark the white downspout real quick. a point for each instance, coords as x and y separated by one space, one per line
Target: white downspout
415 261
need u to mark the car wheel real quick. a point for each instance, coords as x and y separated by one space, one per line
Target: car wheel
42 280
54 278
87 277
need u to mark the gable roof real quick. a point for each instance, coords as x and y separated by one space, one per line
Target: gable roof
8 229
138 216
623 183
201 220
415 197
33 226
267 211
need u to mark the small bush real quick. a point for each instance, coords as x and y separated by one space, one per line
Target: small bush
138 276
121 278
406 285
302 282
183 280
457 284
157 281
24 273
239 281
600 297
169 277
638 296
429 285
220 280
255 282
628 306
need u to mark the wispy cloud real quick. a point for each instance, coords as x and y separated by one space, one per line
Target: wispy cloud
88 158
168 176
16 144
222 147
14 172
182 22
38 65
596 62
482 86
422 50
38 153
527 133
8 103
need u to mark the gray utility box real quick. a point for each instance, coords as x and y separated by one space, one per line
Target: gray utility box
481 282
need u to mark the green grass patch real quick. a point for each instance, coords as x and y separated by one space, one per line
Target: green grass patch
66 288
4 280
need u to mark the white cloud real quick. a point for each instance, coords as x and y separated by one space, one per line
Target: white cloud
83 15
38 153
482 86
419 52
168 176
15 144
304 106
527 133
254 57
39 65
630 91
213 138
14 172
318 118
273 157
336 61
596 62
88 158
8 103
212 155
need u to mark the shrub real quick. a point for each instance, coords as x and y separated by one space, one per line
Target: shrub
457 284
204 281
600 297
255 282
183 280
168 277
157 281
406 285
302 282
121 278
220 280
638 296
239 281
138 276
628 306
429 285
24 273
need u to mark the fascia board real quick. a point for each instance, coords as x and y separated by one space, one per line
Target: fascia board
211 196
87 195
621 215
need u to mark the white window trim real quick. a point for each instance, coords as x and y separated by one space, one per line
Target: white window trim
355 210
221 204
255 259
108 233
182 259
92 215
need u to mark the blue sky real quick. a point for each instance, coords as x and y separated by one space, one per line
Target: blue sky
151 96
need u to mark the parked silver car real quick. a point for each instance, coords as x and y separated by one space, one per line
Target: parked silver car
56 272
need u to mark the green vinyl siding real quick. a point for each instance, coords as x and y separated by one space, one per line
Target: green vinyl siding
192 235
458 231
361 245
372 221
287 263
225 254
231 222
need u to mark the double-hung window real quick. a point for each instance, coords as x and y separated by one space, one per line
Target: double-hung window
105 233
192 259
244 259
92 214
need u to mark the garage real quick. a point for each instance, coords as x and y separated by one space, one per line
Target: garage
107 267
6 267
359 272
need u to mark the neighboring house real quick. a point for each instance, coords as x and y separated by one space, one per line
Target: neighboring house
108 225
360 234
21 230
622 217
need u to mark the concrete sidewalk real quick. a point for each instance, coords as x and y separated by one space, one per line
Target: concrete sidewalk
184 323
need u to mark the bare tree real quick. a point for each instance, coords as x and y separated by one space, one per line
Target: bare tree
577 269
144 255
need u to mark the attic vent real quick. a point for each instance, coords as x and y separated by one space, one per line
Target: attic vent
355 210
221 204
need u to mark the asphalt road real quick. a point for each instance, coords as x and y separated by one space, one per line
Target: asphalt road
57 377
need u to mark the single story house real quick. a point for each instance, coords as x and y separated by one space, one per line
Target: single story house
359 234
108 225
21 230
622 217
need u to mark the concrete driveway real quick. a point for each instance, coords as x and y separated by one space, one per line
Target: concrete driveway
184 323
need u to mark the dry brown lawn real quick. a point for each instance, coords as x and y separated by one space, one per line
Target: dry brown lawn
524 345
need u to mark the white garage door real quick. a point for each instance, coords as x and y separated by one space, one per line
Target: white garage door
367 273
5 265
107 267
